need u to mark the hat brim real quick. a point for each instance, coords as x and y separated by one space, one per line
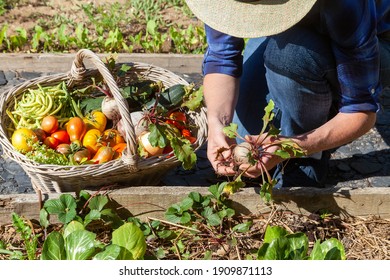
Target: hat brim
249 19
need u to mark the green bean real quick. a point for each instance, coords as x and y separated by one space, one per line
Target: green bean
35 104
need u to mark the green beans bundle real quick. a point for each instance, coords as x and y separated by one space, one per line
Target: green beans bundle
37 103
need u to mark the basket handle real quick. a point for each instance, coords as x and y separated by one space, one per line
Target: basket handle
78 72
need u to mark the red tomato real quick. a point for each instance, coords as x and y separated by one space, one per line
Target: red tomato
51 142
49 124
178 119
191 139
76 128
62 136
186 133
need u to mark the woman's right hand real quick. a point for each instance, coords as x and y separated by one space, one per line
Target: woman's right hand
218 150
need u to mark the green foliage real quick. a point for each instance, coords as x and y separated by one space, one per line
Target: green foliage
84 209
193 219
77 243
105 29
211 209
27 234
278 244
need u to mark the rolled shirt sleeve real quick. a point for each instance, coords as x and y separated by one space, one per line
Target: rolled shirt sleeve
223 54
351 26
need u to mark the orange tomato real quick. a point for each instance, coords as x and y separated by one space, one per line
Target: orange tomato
49 124
76 128
112 137
104 154
186 133
118 149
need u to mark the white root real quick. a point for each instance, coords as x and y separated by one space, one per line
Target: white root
139 122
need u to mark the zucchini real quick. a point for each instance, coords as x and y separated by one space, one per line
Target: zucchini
140 95
169 99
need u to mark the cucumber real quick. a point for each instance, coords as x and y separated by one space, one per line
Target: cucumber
169 99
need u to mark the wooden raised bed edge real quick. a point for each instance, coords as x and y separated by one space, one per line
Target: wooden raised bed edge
146 201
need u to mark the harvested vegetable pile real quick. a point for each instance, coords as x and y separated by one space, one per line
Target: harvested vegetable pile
57 124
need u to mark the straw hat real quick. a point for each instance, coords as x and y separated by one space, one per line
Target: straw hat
249 19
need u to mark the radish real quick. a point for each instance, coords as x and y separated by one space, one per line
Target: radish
139 122
110 108
147 147
243 153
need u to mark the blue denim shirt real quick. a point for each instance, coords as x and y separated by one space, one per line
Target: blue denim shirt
353 27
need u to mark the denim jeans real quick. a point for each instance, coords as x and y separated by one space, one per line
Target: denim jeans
295 69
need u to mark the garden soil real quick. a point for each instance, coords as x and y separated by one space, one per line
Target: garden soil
363 238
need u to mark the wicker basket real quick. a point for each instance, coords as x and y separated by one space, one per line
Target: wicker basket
129 170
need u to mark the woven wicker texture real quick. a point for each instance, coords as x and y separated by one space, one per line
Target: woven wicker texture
129 170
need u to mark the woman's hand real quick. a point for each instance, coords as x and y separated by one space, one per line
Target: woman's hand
267 161
218 150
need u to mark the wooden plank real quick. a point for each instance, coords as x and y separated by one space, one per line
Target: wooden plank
149 201
59 63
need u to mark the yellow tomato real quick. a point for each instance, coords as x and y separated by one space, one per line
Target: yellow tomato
112 137
97 120
92 140
23 139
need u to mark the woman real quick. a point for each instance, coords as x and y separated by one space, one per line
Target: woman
324 63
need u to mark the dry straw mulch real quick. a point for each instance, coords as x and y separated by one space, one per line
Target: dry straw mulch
365 238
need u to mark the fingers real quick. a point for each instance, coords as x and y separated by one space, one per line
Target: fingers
221 164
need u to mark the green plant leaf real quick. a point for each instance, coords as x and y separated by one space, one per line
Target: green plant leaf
233 186
184 152
71 227
54 247
243 227
44 218
64 207
331 249
157 136
266 190
93 215
273 232
80 245
214 219
130 237
98 202
276 250
268 115
298 245
111 252
231 130
194 99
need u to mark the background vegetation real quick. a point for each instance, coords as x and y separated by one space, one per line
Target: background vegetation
131 26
